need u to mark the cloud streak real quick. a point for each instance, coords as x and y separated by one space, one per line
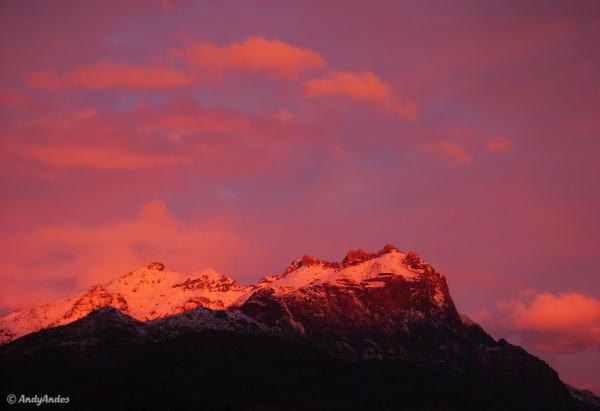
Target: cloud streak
100 158
365 86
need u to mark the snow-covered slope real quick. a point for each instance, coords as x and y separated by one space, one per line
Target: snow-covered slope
153 292
147 293
357 268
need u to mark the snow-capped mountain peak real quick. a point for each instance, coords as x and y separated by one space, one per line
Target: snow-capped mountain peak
358 267
149 292
154 292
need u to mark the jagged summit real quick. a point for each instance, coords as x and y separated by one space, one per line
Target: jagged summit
378 286
156 266
388 260
152 291
359 256
352 258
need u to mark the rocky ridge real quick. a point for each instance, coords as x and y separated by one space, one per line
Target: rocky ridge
385 305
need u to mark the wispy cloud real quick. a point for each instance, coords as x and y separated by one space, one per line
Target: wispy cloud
452 153
99 157
366 86
109 74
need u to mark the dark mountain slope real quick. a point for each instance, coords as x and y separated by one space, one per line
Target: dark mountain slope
112 362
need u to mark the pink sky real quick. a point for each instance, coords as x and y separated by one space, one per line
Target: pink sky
243 135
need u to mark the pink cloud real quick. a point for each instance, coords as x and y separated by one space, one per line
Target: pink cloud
255 54
63 120
181 134
366 86
103 252
452 153
221 140
498 145
72 139
186 118
108 74
182 118
564 323
363 86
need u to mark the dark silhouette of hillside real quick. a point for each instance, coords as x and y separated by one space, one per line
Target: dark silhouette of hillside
221 370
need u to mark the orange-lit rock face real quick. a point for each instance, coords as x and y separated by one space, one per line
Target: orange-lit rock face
147 293
376 287
374 292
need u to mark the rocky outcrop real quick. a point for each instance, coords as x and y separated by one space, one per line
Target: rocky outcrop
156 266
95 298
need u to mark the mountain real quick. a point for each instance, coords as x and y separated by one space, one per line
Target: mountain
388 307
112 361
393 305
145 294
214 360
153 292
